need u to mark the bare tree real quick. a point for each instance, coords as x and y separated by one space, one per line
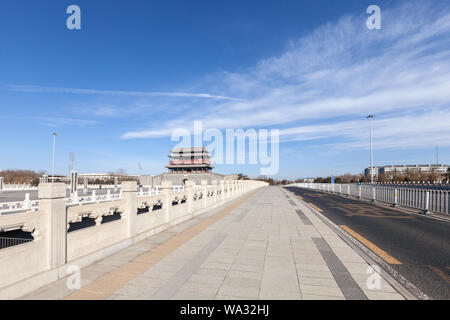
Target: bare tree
121 172
21 176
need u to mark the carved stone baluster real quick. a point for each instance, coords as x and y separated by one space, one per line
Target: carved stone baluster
98 220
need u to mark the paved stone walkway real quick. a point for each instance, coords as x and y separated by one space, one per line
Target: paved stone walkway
267 245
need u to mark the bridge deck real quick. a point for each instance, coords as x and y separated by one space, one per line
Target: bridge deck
266 245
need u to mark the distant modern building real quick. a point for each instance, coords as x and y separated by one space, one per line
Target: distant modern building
103 176
392 170
95 176
376 171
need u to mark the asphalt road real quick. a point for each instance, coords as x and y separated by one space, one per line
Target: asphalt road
417 247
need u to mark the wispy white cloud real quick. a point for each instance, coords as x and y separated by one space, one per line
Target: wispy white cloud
56 121
339 73
404 131
32 88
147 134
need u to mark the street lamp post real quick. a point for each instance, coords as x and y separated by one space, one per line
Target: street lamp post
53 157
370 117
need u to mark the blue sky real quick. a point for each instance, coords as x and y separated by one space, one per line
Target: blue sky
137 70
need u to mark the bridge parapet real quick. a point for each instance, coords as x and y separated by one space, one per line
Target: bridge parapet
56 245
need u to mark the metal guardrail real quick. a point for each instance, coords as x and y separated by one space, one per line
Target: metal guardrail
9 242
426 200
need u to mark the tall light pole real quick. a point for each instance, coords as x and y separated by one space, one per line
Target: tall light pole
370 117
72 159
437 154
53 157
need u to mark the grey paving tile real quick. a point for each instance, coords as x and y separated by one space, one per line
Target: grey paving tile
250 292
124 297
200 288
131 290
223 297
306 296
190 295
321 290
246 267
279 295
239 281
50 292
148 282
219 273
207 283
175 282
317 281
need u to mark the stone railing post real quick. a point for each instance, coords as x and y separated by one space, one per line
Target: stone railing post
227 187
166 188
85 185
27 202
52 205
189 194
204 184
116 182
232 188
214 188
222 188
1 184
129 189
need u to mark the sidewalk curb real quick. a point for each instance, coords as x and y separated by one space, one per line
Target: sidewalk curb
397 281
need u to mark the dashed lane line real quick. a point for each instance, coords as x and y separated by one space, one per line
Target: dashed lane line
374 248
315 207
441 273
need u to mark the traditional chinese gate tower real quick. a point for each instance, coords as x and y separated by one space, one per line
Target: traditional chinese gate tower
189 160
